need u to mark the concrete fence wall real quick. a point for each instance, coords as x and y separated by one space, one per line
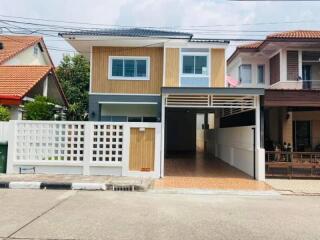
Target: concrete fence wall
232 145
4 131
88 148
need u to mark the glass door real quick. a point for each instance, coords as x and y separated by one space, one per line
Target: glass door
302 135
306 76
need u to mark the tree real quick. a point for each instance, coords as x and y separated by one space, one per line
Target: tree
4 113
41 108
74 74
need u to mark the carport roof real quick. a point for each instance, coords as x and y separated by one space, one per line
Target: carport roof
209 90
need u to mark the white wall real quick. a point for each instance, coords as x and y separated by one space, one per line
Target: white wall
233 145
233 69
15 113
4 131
27 57
67 147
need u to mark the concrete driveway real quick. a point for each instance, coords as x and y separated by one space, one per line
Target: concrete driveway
41 214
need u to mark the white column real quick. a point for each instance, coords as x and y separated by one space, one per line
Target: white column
283 65
126 148
257 121
45 87
259 152
88 140
163 120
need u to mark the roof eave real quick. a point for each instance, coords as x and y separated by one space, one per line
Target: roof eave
239 50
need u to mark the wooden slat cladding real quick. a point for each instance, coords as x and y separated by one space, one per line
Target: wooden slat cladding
275 69
172 67
142 149
218 64
292 65
291 98
100 61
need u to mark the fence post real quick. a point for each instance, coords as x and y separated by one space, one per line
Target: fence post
11 146
88 141
126 149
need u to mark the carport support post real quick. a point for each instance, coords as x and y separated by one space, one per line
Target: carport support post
163 120
259 152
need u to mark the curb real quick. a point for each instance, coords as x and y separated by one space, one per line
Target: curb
72 186
216 192
56 186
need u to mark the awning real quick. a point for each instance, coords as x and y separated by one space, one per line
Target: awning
291 98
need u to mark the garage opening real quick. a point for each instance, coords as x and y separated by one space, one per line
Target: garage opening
209 142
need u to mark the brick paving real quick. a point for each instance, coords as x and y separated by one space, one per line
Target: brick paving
203 172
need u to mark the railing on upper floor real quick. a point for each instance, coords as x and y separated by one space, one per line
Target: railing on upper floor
297 85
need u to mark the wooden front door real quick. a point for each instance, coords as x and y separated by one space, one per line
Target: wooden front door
142 149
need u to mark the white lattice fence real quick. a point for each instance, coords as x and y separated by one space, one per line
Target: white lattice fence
107 143
61 142
90 148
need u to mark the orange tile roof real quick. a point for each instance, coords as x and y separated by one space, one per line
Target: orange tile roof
253 45
281 36
15 44
300 34
16 81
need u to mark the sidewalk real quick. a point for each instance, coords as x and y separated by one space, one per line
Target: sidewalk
295 186
76 182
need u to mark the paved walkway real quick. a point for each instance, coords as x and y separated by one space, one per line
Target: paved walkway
295 186
199 171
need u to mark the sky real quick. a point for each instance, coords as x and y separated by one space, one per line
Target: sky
204 18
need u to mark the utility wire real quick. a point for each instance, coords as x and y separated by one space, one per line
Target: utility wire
164 27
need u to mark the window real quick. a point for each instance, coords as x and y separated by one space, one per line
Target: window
134 119
261 74
194 65
129 68
245 73
35 50
150 119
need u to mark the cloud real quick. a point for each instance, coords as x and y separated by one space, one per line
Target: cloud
218 15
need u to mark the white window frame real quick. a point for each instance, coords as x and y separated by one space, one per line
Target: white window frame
239 72
195 54
146 78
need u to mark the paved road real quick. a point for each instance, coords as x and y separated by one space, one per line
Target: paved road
40 214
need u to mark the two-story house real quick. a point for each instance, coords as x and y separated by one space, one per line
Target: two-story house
26 70
287 66
148 75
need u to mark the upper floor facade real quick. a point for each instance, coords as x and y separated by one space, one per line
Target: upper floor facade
288 60
23 51
142 61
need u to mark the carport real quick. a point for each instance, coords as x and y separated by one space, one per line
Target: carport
231 144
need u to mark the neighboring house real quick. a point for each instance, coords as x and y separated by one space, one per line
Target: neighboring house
287 66
26 70
144 75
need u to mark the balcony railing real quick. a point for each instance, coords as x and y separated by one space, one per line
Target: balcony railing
297 84
293 164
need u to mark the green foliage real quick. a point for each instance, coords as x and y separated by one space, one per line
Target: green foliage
74 74
4 113
41 108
